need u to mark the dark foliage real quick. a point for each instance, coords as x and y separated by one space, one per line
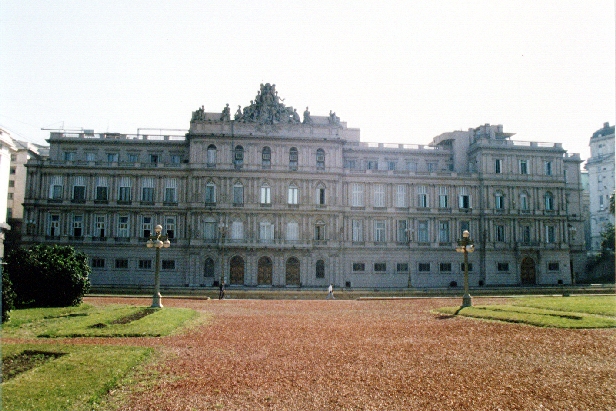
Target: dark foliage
8 296
48 276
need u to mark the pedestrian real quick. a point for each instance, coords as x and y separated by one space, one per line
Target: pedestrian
221 292
330 293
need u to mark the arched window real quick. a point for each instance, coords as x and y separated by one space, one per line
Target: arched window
211 155
320 269
238 156
293 158
320 159
549 201
266 157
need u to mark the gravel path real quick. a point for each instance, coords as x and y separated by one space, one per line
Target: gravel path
371 355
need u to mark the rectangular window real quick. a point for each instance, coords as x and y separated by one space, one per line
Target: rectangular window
112 157
293 195
79 189
121 263
464 201
423 267
443 231
98 263
423 236
401 195
154 158
321 196
391 165
358 230
412 166
124 190
171 187
372 165
292 231
357 195
101 189
100 226
147 190
499 202
266 195
553 266
146 226
359 267
497 166
402 233
379 195
266 232
145 264
168 264
550 234
525 231
132 157
210 193
238 195
548 168
379 231
123 226
432 167
402 267
444 267
54 225
319 232
523 167
77 225
237 230
443 200
90 157
464 226
422 197
380 267
176 159
69 156
499 234
55 188
470 267
209 231
169 227
502 267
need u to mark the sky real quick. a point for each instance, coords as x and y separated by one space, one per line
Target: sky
400 71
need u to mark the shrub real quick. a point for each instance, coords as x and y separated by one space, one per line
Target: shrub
8 296
48 276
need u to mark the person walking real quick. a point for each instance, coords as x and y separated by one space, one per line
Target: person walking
330 293
221 290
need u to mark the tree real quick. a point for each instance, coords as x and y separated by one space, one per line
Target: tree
8 296
48 276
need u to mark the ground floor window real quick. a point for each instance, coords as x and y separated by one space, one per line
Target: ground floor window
423 267
168 264
145 264
502 266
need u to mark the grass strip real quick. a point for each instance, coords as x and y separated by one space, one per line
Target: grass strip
75 380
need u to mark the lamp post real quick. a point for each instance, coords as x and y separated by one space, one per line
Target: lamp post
409 234
222 227
572 231
157 241
466 245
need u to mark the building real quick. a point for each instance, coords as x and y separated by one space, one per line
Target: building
267 198
7 148
600 168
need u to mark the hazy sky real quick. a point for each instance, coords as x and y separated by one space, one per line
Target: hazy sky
401 71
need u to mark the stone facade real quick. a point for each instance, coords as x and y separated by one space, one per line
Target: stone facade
270 199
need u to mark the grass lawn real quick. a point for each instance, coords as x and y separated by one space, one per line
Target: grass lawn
560 312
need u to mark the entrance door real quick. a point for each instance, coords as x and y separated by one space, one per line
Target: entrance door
264 276
292 277
527 271
237 271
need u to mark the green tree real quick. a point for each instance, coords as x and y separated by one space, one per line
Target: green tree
607 235
8 296
48 276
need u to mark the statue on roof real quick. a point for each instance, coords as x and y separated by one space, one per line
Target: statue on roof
333 119
307 118
226 113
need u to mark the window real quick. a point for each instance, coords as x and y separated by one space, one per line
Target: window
101 189
11 183
266 232
112 157
402 233
124 190
498 166
90 156
211 155
350 164
320 269
169 226
209 231
265 194
10 196
145 264
391 165
525 233
549 202
121 263
238 156
237 231
412 166
553 266
422 232
401 195
319 231
293 158
12 170
444 267
100 225
98 263
443 231
470 267
499 233
210 193
171 188
550 234
293 195
443 200
402 267
358 230
154 158
548 168
499 201
123 226
292 231
379 231
432 167
320 195
523 167
55 188
77 225
238 194
357 195
168 264
379 195
524 202
79 189
372 165
422 197
54 225
502 267
132 157
147 190
266 157
176 159
380 267
464 201
423 267
359 267
146 226
464 226
320 159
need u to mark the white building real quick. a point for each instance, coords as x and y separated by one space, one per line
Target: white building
7 147
600 168
268 199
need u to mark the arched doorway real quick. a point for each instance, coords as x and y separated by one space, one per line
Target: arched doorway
264 276
527 271
292 274
237 271
208 271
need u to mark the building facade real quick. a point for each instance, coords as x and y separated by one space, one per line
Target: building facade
600 168
268 198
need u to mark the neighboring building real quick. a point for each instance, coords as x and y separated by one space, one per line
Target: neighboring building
7 147
600 168
270 199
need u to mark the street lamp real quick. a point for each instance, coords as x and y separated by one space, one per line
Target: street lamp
409 234
157 241
466 245
222 227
